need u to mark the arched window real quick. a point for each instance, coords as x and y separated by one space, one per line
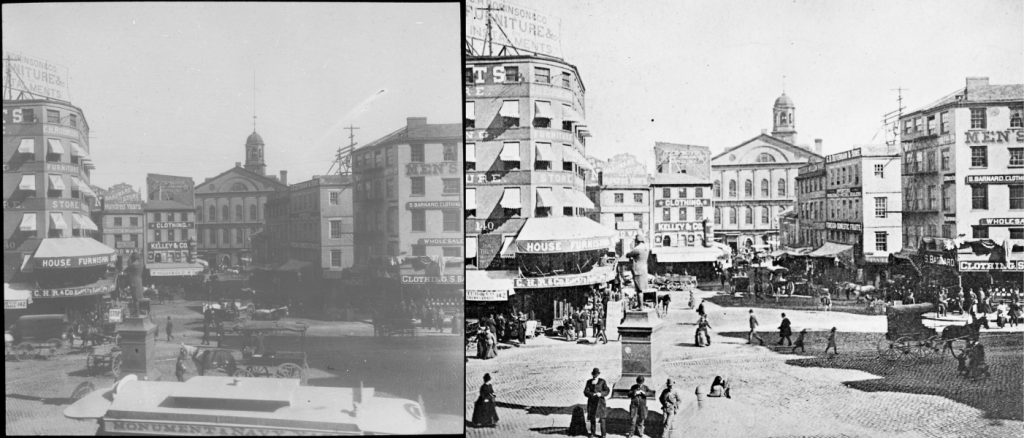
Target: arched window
239 216
748 188
199 214
718 189
718 215
213 214
239 187
782 187
764 214
225 214
252 213
732 215
748 216
764 188
765 158
732 188
666 241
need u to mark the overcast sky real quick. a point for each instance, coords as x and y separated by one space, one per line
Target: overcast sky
708 72
168 88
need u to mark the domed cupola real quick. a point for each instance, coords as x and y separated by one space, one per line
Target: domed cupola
783 124
254 154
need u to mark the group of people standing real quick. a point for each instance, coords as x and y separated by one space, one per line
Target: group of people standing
501 329
576 323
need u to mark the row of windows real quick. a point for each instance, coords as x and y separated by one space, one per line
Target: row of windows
844 209
683 215
979 120
53 150
225 214
511 74
169 217
748 215
979 197
698 192
808 185
132 221
28 115
510 158
417 154
212 236
748 188
179 235
620 198
510 115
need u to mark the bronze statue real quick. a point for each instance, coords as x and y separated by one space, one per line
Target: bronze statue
134 273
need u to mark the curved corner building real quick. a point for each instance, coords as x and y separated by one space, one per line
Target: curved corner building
530 246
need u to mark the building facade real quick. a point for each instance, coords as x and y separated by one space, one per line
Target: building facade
621 194
170 249
122 221
753 182
230 208
963 161
811 186
527 223
52 259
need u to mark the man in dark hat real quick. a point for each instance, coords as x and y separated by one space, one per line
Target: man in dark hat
638 407
639 256
596 391
670 401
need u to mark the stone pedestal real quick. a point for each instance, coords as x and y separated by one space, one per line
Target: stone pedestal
612 321
138 348
639 353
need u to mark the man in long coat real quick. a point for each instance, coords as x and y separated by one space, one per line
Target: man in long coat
638 407
639 256
670 401
596 391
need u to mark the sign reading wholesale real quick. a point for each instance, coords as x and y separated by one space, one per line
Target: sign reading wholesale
522 28
37 76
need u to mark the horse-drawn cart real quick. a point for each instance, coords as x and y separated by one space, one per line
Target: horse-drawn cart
397 327
907 337
38 335
104 358
261 361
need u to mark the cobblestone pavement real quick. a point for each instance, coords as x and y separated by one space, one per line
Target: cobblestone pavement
339 354
782 394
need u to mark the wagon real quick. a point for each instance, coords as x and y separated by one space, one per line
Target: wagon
39 334
740 283
260 361
104 358
398 326
907 337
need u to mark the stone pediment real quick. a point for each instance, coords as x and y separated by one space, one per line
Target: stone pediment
750 151
238 179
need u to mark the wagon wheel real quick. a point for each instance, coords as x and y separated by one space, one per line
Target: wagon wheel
291 371
115 365
26 351
931 345
906 346
243 373
887 349
82 390
53 346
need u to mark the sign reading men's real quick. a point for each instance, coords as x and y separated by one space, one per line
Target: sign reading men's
37 76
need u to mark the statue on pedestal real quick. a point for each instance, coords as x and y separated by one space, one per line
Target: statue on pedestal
134 273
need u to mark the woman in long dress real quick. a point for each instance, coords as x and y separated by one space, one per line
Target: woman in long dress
492 345
485 413
481 342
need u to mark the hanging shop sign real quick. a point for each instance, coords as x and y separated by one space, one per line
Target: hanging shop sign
940 260
949 178
182 272
486 295
442 242
421 169
15 304
167 245
75 291
74 262
995 179
565 280
1001 222
429 279
994 136
700 202
125 244
1012 266
844 226
171 225
679 226
559 246
844 192
853 153
435 205
125 251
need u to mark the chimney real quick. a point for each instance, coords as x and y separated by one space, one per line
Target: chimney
284 177
238 164
817 146
416 121
764 132
973 83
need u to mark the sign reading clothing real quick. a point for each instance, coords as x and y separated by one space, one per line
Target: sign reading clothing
427 279
558 246
564 280
1012 265
703 202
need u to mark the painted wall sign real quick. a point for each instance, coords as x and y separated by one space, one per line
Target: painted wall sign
125 230
844 226
1001 222
434 205
672 158
940 260
122 193
995 179
305 245
994 136
497 178
948 178
135 207
172 188
175 272
124 244
73 262
171 225
627 225
486 295
428 279
206 429
15 304
559 246
420 169
75 291
853 153
844 192
523 28
697 202
67 204
62 168
619 181
304 185
679 226
588 278
167 245
442 242
1012 265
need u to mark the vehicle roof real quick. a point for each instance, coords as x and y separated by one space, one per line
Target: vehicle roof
60 316
271 326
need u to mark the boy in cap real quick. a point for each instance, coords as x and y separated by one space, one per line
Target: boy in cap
670 400
800 341
596 391
638 407
832 341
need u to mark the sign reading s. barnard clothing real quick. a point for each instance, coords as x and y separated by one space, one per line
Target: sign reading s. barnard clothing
939 259
433 205
995 179
1012 266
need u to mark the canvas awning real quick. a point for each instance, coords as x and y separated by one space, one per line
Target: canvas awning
293 265
55 146
830 250
78 222
570 115
470 199
584 130
510 199
78 151
489 285
28 222
573 198
508 248
510 152
510 108
542 110
72 252
27 146
471 153
28 182
56 182
57 221
570 154
544 152
16 298
470 110
545 197
695 254
546 235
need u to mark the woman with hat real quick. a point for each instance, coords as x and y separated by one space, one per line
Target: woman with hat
596 391
485 413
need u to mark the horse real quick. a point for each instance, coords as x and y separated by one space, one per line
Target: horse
270 314
210 360
952 333
88 333
863 292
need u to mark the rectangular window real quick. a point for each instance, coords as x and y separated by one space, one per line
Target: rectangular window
682 214
698 192
881 205
908 126
931 161
979 232
979 156
334 197
1017 197
450 153
945 159
452 220
880 171
117 222
698 213
620 198
512 74
419 250
451 186
156 217
978 118
52 116
335 258
1017 233
931 124
682 193
881 238
389 156
666 214
28 115
1016 157
638 198
378 159
390 188
945 198
418 186
918 125
73 119
566 80
419 220
452 251
469 120
619 217
335 229
979 197
542 75
158 235
666 193
134 221
931 197
944 122
417 154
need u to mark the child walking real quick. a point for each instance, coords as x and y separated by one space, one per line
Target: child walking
800 341
832 342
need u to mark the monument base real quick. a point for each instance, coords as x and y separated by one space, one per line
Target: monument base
138 349
639 355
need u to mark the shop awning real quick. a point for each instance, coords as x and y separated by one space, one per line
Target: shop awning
545 198
547 235
18 298
293 265
57 221
72 252
510 108
510 199
830 250
101 287
28 182
573 198
583 200
542 110
28 222
584 130
56 182
470 110
570 154
55 146
510 152
489 285
570 115
508 248
694 254
27 146
544 152
471 153
175 269
89 225
470 199
78 151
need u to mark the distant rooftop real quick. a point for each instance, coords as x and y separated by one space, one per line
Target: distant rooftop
977 90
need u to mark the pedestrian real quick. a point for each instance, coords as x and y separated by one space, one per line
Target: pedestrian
599 330
569 327
584 323
832 342
982 300
670 401
1001 312
702 338
638 407
785 331
1015 313
485 412
753 327
179 367
639 256
502 328
596 390
492 343
960 301
440 320
720 387
522 328
700 309
800 341
220 333
457 323
481 342
826 301
693 300
976 360
492 325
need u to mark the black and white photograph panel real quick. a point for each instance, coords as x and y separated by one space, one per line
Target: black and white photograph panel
655 247
233 219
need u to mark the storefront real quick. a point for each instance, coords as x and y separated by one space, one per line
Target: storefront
698 261
490 292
